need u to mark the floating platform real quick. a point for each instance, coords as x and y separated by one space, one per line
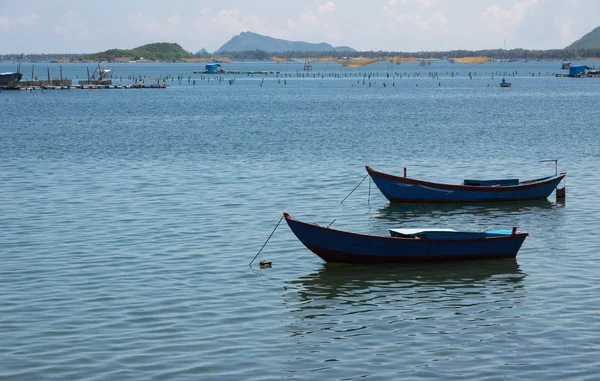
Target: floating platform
595 74
95 87
237 72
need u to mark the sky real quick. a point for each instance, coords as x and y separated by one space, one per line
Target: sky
76 26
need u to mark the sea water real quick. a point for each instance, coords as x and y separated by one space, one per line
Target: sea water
129 217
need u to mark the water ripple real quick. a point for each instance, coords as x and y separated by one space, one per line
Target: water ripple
128 222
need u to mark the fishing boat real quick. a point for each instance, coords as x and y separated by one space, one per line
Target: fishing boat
504 83
404 189
10 80
406 245
102 73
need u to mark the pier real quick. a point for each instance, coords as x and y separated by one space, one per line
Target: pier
36 85
91 83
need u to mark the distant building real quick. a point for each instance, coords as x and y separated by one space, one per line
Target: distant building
577 71
212 68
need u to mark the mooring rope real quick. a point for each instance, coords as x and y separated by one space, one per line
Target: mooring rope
354 188
369 197
265 244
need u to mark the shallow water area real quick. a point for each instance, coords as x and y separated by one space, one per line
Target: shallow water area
129 217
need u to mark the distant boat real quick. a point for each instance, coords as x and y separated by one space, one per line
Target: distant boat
10 80
406 245
404 189
565 65
504 83
102 73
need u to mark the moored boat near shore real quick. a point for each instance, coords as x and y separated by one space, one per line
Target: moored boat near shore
404 189
10 80
406 245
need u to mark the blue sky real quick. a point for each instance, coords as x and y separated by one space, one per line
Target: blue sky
75 26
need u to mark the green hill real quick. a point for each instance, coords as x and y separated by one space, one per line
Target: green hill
248 41
589 41
160 51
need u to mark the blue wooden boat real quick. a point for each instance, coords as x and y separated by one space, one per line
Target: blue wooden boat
404 189
406 245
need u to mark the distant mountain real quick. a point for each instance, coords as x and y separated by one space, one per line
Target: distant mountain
589 41
201 53
247 41
160 51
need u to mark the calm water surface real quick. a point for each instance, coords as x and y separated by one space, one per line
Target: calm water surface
129 218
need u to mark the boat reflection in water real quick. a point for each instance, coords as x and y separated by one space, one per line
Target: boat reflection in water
407 316
426 211
527 215
353 289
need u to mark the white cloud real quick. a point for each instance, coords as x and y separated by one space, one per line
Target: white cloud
428 3
234 21
153 26
173 20
418 3
415 14
435 22
565 32
4 24
72 27
223 24
31 19
307 18
408 25
328 7
505 20
317 25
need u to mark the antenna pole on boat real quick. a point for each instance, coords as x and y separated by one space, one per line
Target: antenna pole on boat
555 164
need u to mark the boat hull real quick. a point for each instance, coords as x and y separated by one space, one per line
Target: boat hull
10 80
405 190
338 246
